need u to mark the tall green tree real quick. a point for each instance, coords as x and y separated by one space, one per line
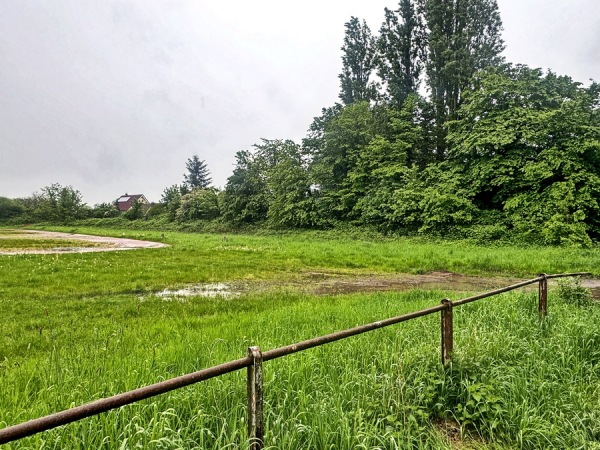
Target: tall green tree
401 51
314 141
56 203
358 63
291 203
270 182
246 195
198 175
463 36
528 144
171 198
344 138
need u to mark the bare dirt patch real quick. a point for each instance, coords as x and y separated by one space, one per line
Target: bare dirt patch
67 243
404 282
329 283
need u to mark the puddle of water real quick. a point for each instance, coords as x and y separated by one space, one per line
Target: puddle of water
334 284
210 290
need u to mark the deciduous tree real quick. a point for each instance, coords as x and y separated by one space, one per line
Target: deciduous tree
463 36
246 197
358 63
528 143
401 51
171 198
200 204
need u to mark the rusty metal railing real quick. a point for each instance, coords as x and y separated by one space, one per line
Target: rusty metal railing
253 362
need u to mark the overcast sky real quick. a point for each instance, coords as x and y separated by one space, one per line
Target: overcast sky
113 96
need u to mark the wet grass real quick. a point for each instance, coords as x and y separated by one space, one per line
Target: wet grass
79 327
204 258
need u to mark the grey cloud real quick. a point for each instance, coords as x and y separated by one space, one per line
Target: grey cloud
114 96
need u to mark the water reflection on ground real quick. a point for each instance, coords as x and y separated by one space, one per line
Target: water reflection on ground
331 283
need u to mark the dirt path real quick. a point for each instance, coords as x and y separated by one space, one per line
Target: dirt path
92 243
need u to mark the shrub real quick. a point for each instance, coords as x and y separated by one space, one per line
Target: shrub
200 204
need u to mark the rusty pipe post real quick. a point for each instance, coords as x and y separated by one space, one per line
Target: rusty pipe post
256 429
543 296
447 331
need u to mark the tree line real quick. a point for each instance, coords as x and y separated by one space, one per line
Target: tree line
434 133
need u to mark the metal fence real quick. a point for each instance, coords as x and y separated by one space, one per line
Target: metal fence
253 362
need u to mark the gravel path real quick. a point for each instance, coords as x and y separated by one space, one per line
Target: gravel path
101 243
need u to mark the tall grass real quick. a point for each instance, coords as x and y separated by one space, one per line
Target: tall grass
514 381
210 258
77 327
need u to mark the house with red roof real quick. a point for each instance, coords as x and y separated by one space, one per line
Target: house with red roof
125 202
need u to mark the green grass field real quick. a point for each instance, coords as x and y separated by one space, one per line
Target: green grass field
77 327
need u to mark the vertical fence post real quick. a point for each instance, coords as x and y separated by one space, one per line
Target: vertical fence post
447 332
256 429
543 296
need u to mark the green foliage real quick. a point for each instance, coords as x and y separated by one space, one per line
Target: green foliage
171 198
314 141
156 210
571 291
104 210
291 203
135 212
10 208
528 144
401 52
200 204
381 170
246 199
481 408
358 63
270 183
435 200
463 37
55 203
345 138
432 201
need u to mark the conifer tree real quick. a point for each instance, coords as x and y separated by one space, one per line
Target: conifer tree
198 176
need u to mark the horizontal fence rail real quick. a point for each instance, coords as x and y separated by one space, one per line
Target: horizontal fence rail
253 362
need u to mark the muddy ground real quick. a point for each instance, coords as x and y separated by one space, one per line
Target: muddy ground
327 283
